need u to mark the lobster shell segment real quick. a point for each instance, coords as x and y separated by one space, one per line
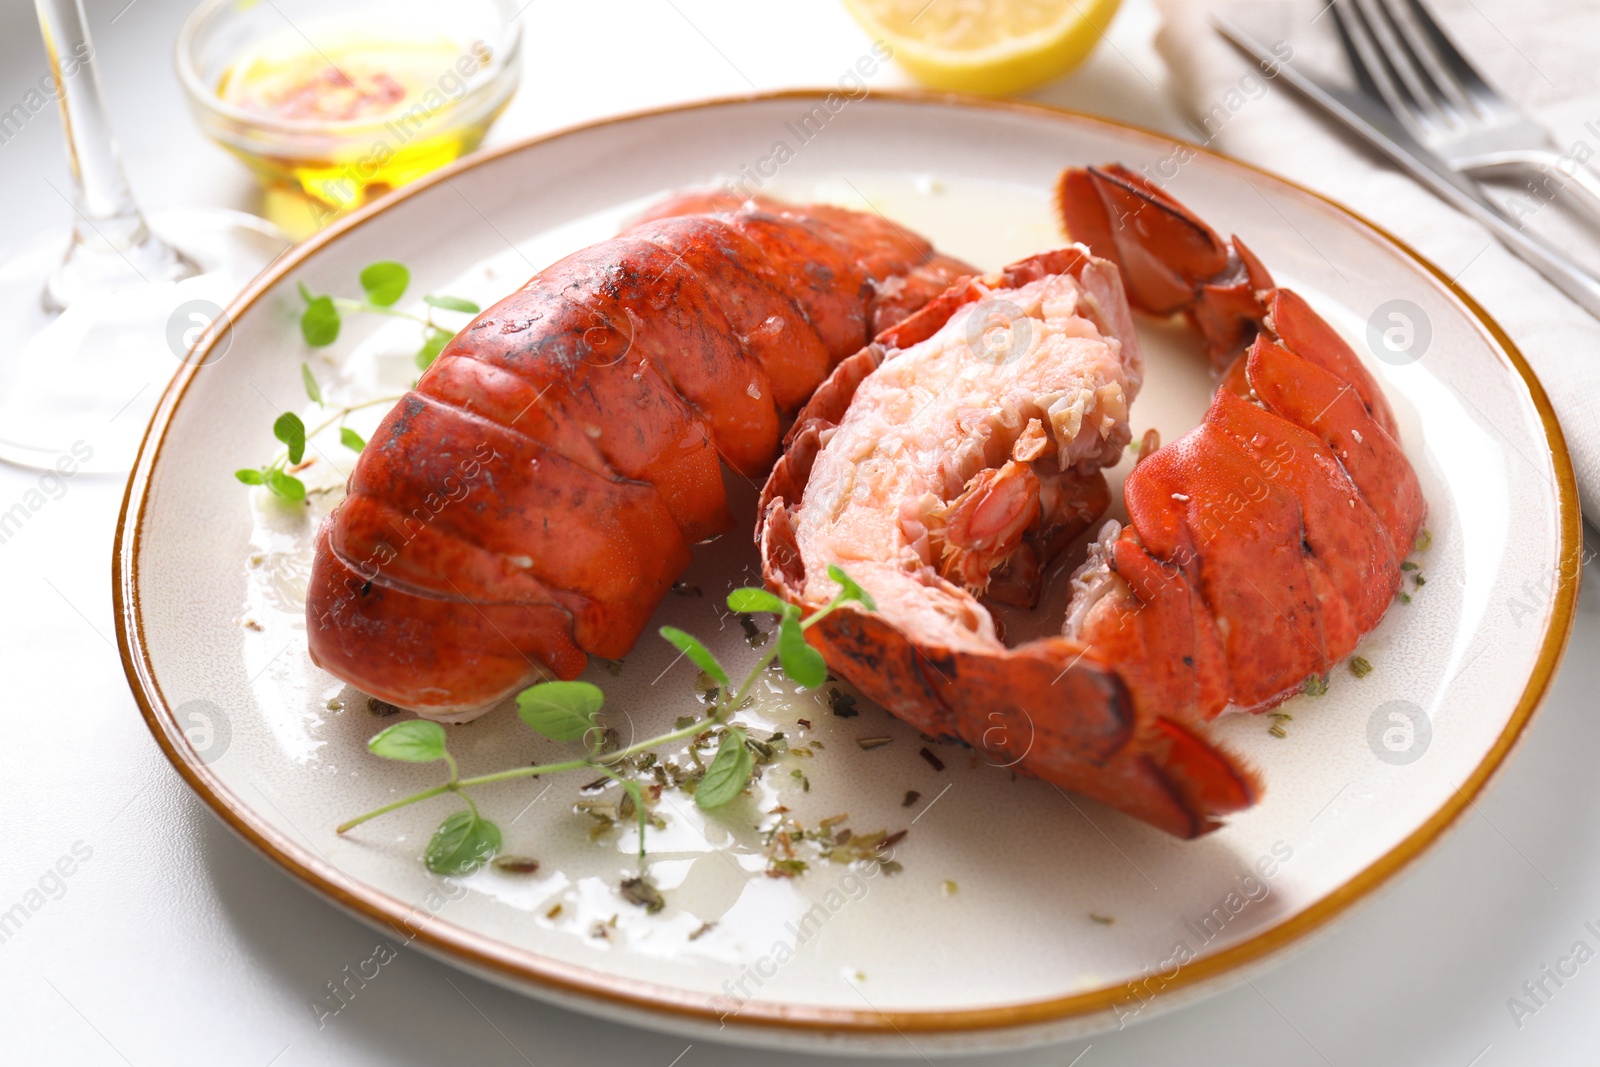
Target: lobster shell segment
1292 502
533 498
925 424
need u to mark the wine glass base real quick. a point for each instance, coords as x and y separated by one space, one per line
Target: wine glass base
77 389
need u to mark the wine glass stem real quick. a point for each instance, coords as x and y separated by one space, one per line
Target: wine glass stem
112 245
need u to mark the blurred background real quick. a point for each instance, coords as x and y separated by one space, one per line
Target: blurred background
184 946
577 65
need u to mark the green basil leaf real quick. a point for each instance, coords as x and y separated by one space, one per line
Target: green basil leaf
312 389
319 322
700 654
561 711
385 282
413 741
750 599
291 431
305 294
432 346
249 476
350 439
286 485
463 842
728 774
851 591
799 660
452 303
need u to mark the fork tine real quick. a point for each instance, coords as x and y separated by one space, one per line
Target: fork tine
1371 65
1362 52
1466 75
1427 103
1421 34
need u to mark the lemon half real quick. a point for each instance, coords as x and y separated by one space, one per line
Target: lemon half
992 47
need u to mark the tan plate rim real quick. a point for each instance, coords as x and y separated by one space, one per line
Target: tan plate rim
522 967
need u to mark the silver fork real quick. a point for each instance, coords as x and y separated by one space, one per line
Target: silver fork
1442 100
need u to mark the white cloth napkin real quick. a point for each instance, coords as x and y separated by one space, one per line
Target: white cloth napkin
1538 52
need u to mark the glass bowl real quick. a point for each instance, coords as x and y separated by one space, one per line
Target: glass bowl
334 102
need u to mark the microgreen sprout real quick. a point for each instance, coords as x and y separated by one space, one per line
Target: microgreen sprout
277 474
569 712
383 284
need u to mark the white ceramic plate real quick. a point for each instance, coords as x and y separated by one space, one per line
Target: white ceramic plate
1020 915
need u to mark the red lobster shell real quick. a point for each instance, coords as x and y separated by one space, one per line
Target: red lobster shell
1261 545
536 494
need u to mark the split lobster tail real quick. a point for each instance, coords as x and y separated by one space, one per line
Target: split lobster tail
1261 545
1028 436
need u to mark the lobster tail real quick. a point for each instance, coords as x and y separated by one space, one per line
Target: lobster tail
537 493
1261 545
1012 482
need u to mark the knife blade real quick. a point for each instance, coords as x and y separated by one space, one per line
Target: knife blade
1255 26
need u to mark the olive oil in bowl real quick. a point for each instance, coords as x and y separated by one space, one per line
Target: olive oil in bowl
340 107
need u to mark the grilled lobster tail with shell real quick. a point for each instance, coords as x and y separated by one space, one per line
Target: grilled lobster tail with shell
1261 545
534 497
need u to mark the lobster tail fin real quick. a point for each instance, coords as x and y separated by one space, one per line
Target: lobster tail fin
1171 261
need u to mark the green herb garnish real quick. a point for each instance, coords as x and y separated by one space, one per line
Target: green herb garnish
570 712
851 591
800 661
383 284
452 303
728 774
313 390
291 431
561 711
285 485
319 322
699 654
415 741
464 842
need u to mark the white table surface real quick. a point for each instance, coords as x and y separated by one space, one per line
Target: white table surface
174 943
